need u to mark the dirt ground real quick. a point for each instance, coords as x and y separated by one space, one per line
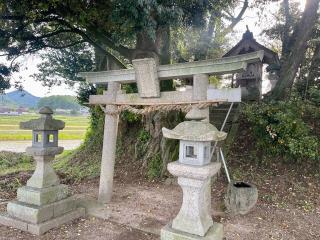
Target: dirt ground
288 207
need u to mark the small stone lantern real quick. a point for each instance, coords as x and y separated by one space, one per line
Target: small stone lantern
194 171
43 203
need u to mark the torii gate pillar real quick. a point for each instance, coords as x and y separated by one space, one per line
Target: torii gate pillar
109 147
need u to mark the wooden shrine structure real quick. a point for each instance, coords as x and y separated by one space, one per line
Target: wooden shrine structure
250 80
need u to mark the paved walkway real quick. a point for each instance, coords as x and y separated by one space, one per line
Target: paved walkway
20 146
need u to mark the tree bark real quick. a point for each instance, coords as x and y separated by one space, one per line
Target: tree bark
296 50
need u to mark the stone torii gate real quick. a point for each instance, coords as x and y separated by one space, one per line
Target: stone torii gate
148 75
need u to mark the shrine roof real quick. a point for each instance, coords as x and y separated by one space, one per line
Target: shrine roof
248 44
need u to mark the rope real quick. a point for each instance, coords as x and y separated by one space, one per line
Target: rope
184 107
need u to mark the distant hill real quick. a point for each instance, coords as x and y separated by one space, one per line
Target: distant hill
5 101
23 99
60 102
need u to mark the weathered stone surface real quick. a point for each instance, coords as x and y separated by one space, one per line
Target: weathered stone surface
42 196
196 114
241 197
47 151
64 206
44 176
195 181
45 122
29 213
37 214
195 131
194 217
39 229
109 148
45 110
222 65
200 149
214 233
147 77
200 86
194 172
6 220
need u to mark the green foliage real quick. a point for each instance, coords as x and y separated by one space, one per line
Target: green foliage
63 65
142 143
59 102
281 129
143 136
130 117
154 167
314 94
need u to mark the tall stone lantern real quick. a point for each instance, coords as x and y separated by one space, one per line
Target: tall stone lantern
43 203
194 171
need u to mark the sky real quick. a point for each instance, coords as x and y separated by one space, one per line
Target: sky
29 63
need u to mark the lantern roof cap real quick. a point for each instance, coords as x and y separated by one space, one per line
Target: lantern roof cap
44 123
195 114
45 110
195 131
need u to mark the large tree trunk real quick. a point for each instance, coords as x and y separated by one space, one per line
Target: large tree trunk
296 51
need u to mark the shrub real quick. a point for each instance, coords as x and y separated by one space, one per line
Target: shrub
154 167
280 128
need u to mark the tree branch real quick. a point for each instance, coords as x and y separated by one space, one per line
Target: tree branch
237 19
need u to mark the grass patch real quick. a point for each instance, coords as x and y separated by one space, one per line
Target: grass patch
15 162
74 171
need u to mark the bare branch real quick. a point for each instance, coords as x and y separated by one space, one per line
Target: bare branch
237 19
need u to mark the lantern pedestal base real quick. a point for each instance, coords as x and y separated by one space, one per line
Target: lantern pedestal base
194 215
41 196
41 228
39 219
215 232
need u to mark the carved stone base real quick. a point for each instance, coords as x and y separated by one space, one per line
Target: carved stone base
41 228
37 214
42 196
214 233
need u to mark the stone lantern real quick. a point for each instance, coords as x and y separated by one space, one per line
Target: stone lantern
194 171
43 203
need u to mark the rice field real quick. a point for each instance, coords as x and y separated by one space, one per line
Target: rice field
75 127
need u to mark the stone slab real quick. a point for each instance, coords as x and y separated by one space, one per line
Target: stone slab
147 77
37 214
214 233
9 221
29 213
39 229
42 196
